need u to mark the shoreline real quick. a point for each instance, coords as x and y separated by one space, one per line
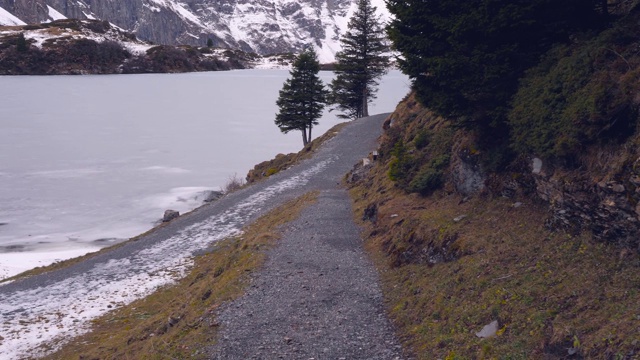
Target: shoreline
13 264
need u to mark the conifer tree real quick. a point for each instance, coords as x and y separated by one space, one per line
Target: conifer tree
303 97
360 63
465 57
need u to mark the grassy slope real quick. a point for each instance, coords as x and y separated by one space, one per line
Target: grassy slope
550 292
282 162
178 321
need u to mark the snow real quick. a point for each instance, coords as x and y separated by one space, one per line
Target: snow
268 64
54 14
8 19
38 36
137 48
89 16
14 263
181 9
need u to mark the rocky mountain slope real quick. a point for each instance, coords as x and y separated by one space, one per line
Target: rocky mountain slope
73 46
263 26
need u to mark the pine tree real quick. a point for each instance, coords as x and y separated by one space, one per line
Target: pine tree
361 62
465 57
302 98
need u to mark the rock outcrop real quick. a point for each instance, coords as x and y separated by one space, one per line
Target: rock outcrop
610 209
170 215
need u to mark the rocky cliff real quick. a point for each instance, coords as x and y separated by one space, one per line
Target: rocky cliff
263 26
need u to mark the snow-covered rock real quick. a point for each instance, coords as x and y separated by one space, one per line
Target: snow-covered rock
8 19
261 26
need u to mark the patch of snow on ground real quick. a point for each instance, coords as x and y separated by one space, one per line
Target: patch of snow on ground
13 263
55 14
137 48
40 36
8 19
268 63
53 314
89 16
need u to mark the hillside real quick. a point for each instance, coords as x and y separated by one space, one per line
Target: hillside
98 47
516 241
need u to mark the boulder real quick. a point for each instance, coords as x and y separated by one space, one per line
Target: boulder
213 196
170 215
468 176
488 330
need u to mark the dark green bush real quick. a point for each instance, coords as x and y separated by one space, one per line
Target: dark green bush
426 181
421 140
100 27
430 177
401 163
579 95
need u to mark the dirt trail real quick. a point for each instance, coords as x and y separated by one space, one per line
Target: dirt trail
317 296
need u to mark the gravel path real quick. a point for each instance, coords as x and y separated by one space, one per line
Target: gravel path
317 296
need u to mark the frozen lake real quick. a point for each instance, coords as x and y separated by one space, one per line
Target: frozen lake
88 161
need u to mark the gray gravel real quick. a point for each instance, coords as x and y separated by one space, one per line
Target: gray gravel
317 296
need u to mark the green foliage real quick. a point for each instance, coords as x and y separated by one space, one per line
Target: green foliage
430 177
465 57
401 163
302 98
579 95
421 140
360 63
272 171
426 181
419 148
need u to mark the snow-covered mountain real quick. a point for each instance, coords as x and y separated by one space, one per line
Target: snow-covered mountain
261 26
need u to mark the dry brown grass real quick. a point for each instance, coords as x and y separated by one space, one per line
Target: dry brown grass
282 162
234 183
178 321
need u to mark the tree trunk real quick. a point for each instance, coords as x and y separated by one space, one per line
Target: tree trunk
304 137
309 138
365 103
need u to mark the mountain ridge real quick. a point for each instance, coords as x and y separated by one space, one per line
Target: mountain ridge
263 27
